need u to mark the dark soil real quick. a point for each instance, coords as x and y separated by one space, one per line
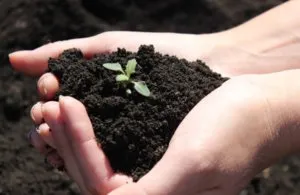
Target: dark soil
134 130
26 24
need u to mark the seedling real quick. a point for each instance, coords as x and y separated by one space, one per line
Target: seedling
125 77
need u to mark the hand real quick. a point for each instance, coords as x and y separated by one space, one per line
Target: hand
187 46
216 150
35 62
223 52
236 131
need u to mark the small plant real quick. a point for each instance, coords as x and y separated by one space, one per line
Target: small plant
125 77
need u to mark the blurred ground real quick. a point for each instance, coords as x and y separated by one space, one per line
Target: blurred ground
26 24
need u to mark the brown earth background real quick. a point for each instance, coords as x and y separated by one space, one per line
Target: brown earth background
26 24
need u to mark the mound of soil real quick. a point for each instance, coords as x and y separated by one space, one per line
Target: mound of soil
134 130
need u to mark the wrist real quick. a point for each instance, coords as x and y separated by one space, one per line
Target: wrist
288 92
268 34
265 44
273 109
231 55
281 92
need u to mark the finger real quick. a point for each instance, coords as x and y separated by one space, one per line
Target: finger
36 113
37 141
44 132
42 128
98 175
52 115
35 62
47 86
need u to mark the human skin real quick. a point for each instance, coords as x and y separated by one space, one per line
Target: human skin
242 127
214 158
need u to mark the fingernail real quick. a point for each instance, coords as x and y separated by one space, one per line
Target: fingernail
32 116
61 97
43 85
43 128
43 108
31 112
38 129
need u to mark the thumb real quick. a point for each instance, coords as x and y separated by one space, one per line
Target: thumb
173 174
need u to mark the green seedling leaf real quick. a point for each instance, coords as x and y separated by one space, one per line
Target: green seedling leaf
130 67
122 77
114 67
142 88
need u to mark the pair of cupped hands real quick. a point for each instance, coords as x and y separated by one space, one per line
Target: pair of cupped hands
226 139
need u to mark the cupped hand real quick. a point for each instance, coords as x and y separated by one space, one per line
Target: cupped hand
35 62
210 153
227 138
191 47
219 50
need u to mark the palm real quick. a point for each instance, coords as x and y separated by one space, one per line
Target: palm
208 135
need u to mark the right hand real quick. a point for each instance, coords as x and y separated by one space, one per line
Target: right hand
233 133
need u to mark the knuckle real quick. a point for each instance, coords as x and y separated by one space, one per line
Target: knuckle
109 40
